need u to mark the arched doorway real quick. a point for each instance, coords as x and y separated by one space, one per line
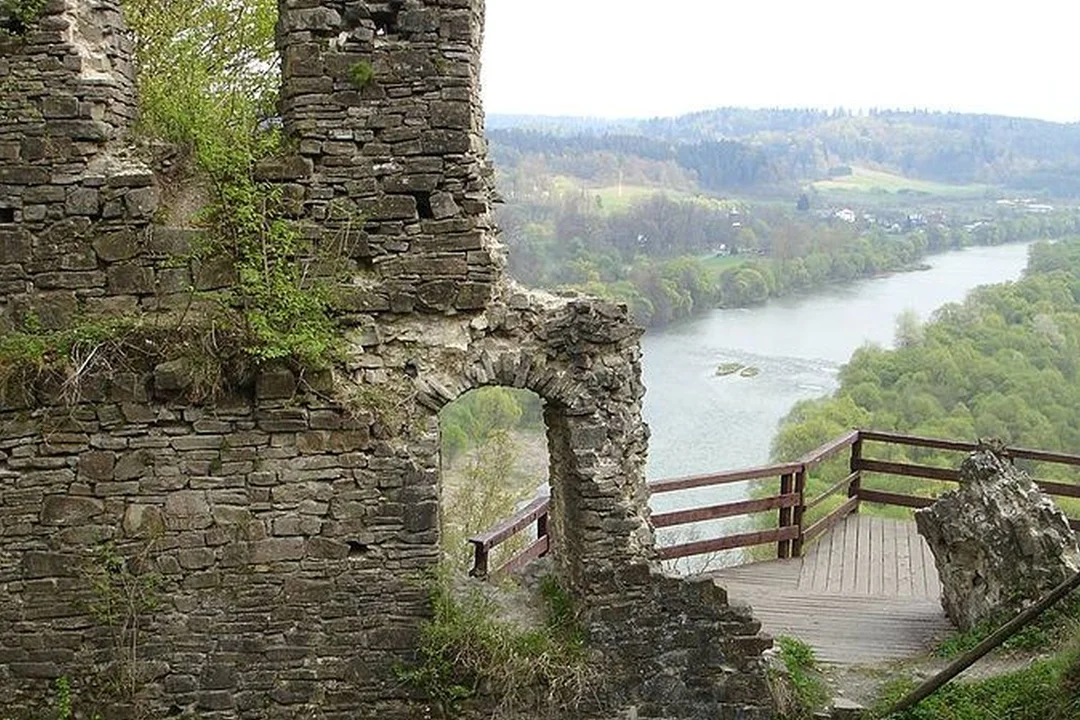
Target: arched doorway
493 461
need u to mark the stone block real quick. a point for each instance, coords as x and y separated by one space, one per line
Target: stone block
141 202
443 206
83 201
473 296
70 280
274 550
59 106
390 207
437 295
187 510
172 376
296 167
65 510
130 279
143 520
16 245
275 383
96 465
118 245
172 241
214 273
44 564
283 420
195 558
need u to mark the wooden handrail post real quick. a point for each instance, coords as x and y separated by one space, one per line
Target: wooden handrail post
799 512
480 561
783 547
855 489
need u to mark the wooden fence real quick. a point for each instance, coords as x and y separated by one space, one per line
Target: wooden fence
790 502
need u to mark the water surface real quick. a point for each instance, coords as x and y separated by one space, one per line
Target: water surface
701 422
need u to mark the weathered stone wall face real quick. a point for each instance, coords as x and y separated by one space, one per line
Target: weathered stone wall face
293 522
74 206
289 541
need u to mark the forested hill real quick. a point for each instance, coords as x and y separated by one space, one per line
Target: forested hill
1005 363
738 149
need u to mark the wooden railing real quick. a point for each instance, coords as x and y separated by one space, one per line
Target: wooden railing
792 533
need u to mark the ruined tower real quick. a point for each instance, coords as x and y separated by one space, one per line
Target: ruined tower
287 528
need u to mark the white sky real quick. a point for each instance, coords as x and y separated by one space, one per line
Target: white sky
632 58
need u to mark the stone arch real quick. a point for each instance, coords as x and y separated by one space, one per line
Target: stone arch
598 515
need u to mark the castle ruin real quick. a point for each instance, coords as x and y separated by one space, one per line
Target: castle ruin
294 535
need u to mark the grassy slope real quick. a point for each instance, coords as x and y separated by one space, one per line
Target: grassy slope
867 181
615 198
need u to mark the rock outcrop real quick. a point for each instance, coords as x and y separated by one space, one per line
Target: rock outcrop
999 543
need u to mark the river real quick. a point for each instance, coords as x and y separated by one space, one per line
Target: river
702 422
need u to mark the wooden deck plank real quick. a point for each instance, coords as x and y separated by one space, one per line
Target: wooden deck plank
877 558
863 583
904 587
866 592
822 560
836 566
851 549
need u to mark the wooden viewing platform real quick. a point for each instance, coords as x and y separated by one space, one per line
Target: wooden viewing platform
858 588
866 592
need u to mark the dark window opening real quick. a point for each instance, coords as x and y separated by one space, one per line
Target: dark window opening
357 548
423 206
385 21
7 215
12 25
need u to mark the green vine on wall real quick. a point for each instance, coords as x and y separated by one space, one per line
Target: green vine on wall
283 305
125 591
208 82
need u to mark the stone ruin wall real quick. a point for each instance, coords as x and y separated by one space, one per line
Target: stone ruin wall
293 534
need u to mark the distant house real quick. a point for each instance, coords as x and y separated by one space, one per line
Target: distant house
847 215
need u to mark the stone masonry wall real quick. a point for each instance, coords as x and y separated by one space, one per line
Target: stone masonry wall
383 101
293 521
74 205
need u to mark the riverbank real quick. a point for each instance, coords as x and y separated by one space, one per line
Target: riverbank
701 422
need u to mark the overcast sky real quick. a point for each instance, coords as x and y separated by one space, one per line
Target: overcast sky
631 58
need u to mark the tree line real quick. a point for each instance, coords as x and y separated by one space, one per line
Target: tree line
1005 363
670 258
731 149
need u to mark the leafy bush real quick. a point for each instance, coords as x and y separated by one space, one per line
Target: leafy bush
361 74
466 652
16 16
799 689
208 81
